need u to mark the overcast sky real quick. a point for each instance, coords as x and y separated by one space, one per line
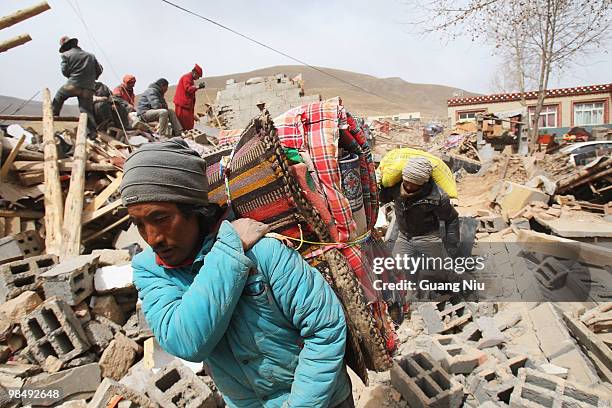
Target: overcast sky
151 39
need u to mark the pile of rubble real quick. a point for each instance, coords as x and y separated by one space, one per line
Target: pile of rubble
75 326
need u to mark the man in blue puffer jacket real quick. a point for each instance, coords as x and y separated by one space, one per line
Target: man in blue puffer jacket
270 329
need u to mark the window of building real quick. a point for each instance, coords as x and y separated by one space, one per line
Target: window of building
589 113
548 116
467 116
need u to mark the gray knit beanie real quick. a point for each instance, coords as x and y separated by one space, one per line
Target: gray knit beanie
165 171
417 170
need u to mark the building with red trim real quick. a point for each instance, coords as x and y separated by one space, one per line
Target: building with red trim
584 106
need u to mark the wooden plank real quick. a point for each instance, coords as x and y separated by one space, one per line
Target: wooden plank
31 178
54 205
73 208
106 229
105 194
11 158
27 214
30 118
23 14
12 225
2 226
565 248
14 42
90 216
64 165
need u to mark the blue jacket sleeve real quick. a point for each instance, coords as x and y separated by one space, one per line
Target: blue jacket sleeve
310 303
189 323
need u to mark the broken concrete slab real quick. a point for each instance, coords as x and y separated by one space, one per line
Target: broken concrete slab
71 280
491 335
75 383
118 357
17 308
513 197
99 335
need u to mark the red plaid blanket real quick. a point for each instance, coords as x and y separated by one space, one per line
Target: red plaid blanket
315 127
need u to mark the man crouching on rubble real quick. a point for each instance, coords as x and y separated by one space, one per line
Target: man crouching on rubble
270 329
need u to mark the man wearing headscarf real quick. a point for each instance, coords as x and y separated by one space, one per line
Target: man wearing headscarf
82 69
268 326
185 97
428 223
125 91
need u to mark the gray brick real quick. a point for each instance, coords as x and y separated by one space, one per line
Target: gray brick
424 383
20 246
19 276
455 355
551 273
72 279
53 329
177 386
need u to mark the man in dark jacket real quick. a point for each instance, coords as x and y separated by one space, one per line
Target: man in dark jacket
153 107
82 69
428 223
109 109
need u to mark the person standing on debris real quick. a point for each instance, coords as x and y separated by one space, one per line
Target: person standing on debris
125 91
428 223
82 69
108 111
185 97
268 326
263 112
153 107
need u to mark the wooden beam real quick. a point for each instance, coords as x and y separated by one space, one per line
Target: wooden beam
27 214
54 206
14 42
23 14
90 216
105 194
63 165
106 229
12 225
11 157
30 118
31 178
73 209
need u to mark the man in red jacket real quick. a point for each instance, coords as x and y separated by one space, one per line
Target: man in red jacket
184 98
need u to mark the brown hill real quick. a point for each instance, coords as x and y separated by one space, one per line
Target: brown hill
377 96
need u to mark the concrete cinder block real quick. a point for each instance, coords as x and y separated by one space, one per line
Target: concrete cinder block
20 246
177 386
535 389
109 389
72 279
52 329
23 275
424 383
75 383
551 273
98 334
454 355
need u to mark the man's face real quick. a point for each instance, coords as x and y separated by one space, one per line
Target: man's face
164 88
173 236
196 76
261 107
130 84
410 187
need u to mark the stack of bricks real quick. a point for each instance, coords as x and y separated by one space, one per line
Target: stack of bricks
53 330
424 383
72 280
19 276
176 386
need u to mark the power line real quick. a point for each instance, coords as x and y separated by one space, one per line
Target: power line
284 54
